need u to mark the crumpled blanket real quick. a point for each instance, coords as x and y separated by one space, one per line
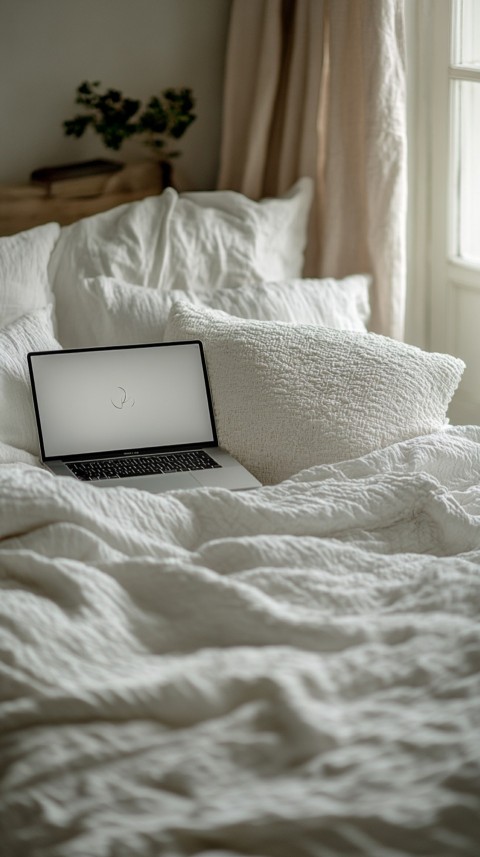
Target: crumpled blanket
291 671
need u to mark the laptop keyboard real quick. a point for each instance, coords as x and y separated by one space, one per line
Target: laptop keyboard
142 465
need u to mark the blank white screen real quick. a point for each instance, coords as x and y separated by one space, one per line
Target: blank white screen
94 401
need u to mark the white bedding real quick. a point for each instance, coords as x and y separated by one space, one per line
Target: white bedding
292 671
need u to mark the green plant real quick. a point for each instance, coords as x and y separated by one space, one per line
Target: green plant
117 119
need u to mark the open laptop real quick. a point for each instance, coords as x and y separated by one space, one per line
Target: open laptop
138 415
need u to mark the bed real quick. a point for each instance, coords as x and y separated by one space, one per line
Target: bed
286 672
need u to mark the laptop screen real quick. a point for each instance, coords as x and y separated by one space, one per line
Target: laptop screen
121 399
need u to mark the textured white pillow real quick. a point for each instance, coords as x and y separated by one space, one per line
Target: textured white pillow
24 283
181 241
290 396
107 312
32 332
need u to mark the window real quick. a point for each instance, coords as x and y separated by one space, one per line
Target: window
445 187
464 72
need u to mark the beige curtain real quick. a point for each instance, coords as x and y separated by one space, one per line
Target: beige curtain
317 88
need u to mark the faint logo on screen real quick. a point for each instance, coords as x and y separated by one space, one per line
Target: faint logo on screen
121 400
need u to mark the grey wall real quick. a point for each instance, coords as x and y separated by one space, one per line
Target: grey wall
48 47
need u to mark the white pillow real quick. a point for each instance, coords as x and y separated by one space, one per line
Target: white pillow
290 396
107 312
181 241
32 332
24 284
343 304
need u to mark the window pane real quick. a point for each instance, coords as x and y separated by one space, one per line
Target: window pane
466 33
466 169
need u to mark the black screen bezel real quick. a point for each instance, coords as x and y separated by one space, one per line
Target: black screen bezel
115 453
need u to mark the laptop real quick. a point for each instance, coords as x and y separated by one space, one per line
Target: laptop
140 416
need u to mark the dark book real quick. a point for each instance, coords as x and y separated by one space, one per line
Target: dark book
99 166
71 181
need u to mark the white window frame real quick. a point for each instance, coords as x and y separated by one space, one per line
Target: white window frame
439 284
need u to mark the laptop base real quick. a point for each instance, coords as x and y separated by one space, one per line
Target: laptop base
231 474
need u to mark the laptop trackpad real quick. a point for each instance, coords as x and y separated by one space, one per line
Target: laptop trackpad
226 477
156 483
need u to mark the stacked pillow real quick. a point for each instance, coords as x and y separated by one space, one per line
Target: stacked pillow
24 282
32 332
26 324
182 241
107 312
289 396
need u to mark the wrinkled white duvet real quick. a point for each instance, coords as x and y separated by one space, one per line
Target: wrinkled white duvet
292 671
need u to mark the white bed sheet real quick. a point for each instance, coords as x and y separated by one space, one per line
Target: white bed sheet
292 671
